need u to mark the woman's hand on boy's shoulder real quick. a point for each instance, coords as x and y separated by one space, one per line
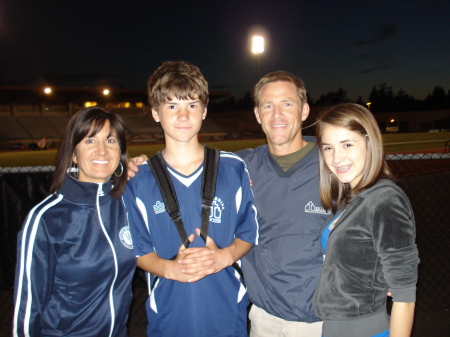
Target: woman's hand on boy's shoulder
133 164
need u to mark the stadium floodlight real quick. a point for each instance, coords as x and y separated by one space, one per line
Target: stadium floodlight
257 50
257 44
48 90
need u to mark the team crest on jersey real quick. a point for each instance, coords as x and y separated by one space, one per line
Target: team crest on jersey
159 207
125 237
310 208
216 210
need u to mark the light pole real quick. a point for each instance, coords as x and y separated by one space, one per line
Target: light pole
257 50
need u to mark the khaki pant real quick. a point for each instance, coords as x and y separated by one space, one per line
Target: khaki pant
264 324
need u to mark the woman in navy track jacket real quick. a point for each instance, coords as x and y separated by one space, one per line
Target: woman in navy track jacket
75 258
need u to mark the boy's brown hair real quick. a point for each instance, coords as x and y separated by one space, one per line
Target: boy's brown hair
178 79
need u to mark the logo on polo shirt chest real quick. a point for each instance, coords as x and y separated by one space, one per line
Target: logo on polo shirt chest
310 208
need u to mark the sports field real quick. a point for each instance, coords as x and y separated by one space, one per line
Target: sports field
394 143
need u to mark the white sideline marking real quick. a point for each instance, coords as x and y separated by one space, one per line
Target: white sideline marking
420 141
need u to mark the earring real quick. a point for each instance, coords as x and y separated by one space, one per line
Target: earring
75 170
121 170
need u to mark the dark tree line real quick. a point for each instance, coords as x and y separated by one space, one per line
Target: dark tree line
382 99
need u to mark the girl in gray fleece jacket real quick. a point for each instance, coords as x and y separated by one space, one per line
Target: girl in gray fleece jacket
369 241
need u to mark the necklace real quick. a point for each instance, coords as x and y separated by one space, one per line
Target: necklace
336 220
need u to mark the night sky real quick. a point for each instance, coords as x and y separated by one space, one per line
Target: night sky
329 44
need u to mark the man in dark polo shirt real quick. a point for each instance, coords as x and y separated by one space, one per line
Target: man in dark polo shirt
281 272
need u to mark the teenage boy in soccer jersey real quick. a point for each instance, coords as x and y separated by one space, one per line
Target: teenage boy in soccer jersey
199 293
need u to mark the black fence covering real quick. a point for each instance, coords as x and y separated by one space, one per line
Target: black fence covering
425 179
19 192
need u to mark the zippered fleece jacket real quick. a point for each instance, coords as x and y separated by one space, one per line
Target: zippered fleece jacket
281 272
370 250
75 264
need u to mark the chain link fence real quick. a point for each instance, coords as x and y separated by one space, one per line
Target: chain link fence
426 181
425 178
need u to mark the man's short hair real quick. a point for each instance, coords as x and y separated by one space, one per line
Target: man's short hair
279 76
178 79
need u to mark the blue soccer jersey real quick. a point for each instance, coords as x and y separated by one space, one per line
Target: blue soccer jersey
215 305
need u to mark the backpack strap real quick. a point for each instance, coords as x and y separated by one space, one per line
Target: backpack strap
210 168
212 157
165 185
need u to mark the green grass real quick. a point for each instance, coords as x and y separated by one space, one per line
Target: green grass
414 141
410 142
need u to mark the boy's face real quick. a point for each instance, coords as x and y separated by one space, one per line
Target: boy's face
180 119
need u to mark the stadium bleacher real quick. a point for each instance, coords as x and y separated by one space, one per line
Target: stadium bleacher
10 129
29 129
